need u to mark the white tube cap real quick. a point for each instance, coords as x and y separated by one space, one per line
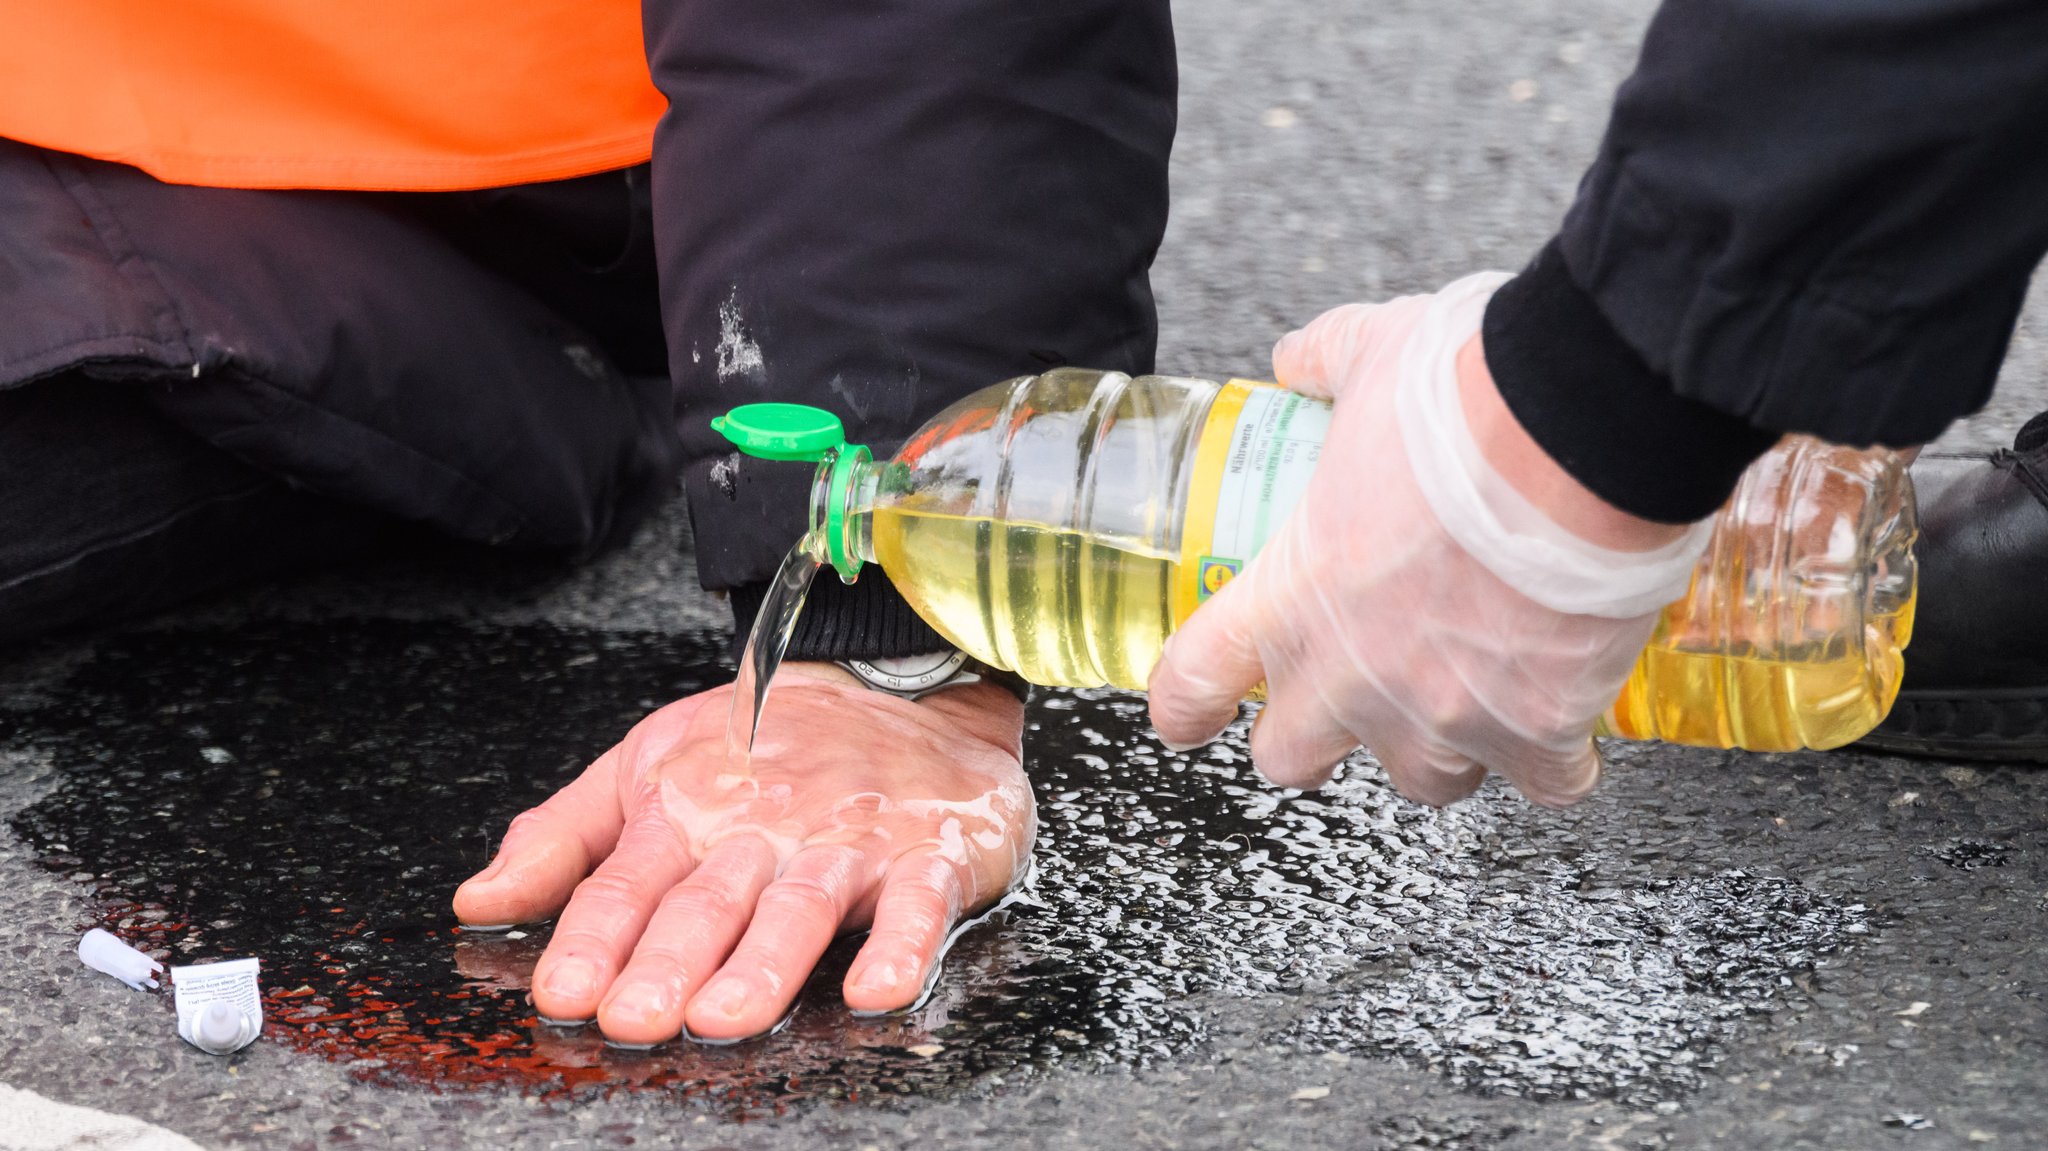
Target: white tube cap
222 1029
100 951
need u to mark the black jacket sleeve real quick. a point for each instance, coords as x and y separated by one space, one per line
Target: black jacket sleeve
1806 216
878 206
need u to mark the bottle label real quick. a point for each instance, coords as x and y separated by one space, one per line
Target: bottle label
1259 446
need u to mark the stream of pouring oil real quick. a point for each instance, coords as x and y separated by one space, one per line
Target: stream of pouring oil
766 643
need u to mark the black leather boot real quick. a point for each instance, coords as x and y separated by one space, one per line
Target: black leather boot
1976 683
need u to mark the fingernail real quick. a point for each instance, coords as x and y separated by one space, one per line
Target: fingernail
880 976
489 873
575 979
727 997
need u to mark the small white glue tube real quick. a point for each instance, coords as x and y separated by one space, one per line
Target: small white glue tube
220 1009
101 951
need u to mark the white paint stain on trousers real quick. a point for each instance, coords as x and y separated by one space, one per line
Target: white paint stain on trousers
738 354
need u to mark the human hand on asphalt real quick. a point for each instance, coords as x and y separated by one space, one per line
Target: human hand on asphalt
711 892
1444 593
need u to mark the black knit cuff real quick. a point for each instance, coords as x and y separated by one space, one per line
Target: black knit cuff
867 619
1596 408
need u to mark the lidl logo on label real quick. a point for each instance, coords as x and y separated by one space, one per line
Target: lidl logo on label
1214 572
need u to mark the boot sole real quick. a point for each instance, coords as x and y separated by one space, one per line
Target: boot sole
1998 724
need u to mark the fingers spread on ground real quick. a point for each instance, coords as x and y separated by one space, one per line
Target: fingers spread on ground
920 901
605 917
1295 742
794 921
692 932
547 851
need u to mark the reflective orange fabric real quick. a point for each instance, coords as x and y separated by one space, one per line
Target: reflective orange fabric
414 95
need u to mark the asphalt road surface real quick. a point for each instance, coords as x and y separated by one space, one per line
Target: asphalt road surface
1829 951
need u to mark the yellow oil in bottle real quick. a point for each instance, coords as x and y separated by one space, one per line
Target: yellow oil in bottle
1062 609
1821 697
1055 606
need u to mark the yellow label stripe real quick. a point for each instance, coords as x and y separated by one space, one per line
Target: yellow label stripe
1198 525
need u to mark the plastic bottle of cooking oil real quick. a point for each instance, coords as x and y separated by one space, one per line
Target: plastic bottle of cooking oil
1062 525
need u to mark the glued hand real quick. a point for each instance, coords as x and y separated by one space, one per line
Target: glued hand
696 896
1444 593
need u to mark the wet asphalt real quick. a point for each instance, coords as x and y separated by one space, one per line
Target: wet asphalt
1826 951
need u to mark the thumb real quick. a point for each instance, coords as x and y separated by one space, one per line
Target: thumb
1207 667
1323 358
547 851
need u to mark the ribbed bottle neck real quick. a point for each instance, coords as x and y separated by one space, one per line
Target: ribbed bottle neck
843 493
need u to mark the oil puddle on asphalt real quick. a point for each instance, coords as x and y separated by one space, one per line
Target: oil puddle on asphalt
313 794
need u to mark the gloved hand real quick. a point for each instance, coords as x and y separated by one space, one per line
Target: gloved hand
712 893
1444 593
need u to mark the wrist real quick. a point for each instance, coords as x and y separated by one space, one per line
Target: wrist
979 692
987 711
1476 497
818 671
1522 462
866 619
941 669
1608 417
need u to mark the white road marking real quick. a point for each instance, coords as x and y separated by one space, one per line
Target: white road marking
38 1124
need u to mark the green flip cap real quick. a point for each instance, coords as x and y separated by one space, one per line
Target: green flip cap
782 431
802 432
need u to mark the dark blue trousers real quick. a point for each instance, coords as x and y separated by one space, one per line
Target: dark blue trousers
876 207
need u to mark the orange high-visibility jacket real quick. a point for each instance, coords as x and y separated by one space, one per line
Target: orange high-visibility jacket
408 95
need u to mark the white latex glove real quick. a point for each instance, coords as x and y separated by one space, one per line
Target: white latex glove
1444 593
